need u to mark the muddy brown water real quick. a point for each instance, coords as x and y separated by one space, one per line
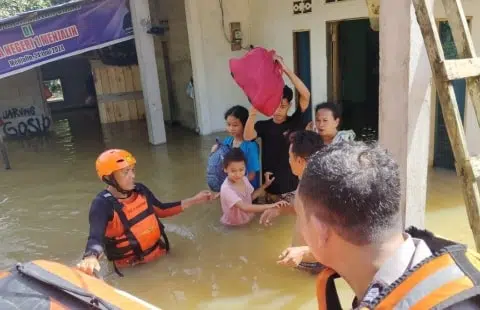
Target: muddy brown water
45 198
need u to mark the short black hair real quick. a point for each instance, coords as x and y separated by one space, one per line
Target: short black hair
287 93
355 188
336 108
239 112
233 156
305 143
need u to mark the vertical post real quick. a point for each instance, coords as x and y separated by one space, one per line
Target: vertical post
196 43
4 153
148 71
405 107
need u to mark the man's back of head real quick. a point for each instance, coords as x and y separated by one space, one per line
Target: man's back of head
354 188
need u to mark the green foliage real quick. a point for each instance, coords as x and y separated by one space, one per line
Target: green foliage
13 7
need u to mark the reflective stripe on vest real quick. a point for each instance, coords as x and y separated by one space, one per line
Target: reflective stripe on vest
430 285
444 280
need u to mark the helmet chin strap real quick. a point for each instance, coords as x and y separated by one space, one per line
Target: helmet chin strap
110 180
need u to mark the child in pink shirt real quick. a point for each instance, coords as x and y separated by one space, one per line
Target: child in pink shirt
237 194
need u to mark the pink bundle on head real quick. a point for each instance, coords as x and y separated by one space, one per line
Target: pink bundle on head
260 78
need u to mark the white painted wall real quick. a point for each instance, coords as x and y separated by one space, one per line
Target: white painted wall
22 108
215 90
270 23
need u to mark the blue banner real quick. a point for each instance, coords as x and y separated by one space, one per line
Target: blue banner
35 38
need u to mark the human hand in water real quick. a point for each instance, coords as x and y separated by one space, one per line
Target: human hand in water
293 256
268 215
268 179
89 265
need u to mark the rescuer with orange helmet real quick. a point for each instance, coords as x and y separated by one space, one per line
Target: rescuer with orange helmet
124 218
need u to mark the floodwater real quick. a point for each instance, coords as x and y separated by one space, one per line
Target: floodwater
45 198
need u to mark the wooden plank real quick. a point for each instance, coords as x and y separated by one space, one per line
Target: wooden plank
122 111
475 163
450 112
459 26
456 69
130 87
127 72
110 112
105 80
121 96
132 106
465 48
137 83
140 108
112 80
98 81
120 79
102 112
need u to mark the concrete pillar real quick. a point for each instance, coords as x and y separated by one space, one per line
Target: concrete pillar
195 38
148 71
405 96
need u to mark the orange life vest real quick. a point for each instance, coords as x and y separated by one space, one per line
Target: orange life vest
450 276
135 233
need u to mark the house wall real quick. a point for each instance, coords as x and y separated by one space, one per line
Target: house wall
215 90
271 23
22 108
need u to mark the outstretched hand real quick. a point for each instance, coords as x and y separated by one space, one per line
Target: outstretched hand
205 196
293 256
268 215
269 178
89 265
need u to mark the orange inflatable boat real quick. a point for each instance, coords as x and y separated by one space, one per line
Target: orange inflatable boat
46 285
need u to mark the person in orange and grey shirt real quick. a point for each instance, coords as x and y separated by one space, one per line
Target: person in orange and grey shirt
123 219
348 205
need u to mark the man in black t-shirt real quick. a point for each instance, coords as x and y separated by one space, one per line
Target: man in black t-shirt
275 135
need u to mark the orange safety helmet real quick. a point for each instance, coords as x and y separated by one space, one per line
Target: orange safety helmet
113 160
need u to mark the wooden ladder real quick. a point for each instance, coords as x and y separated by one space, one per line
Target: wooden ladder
444 72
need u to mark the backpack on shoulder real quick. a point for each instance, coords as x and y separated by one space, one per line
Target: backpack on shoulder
215 172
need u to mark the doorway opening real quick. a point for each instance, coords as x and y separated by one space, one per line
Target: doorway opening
302 65
353 74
